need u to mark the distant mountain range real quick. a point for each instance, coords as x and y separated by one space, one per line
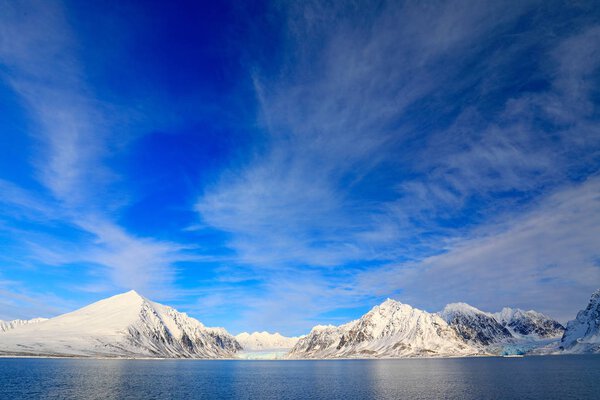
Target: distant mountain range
8 325
262 341
129 325
391 329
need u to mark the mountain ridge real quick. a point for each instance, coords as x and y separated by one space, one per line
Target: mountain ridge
391 329
124 325
476 327
130 325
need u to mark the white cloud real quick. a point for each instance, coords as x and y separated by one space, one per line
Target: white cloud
546 259
18 303
74 136
39 54
348 175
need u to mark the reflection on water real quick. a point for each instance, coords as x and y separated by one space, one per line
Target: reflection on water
576 377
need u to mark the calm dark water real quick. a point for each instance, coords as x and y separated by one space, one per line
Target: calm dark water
564 377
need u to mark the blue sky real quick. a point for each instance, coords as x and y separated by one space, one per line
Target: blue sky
276 165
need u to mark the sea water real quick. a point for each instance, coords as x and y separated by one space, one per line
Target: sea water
551 377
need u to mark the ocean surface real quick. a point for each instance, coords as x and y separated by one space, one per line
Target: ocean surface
552 377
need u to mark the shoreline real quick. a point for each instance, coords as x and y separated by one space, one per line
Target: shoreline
66 357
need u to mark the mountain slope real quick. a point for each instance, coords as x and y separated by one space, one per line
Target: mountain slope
582 335
391 329
10 325
125 325
258 341
529 324
473 325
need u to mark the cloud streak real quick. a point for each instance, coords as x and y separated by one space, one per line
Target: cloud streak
432 152
73 128
395 131
546 259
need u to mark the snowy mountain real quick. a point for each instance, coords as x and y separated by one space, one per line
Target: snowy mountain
582 335
391 329
529 324
474 326
511 331
125 325
258 341
9 325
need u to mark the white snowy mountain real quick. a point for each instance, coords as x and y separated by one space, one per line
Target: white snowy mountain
582 335
15 323
511 331
258 341
125 325
129 325
475 326
529 324
391 329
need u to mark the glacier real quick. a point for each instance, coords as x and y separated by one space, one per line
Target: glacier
260 341
264 345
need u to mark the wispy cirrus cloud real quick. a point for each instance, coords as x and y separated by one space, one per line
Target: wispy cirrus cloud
39 55
365 108
393 131
406 147
19 303
75 136
545 258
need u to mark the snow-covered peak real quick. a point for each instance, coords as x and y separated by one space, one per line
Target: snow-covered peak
321 328
126 299
389 304
460 308
392 307
505 314
126 324
131 294
265 341
473 325
390 316
529 324
107 314
391 329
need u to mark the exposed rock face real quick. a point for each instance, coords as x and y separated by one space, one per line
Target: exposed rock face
474 326
391 329
582 335
126 325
